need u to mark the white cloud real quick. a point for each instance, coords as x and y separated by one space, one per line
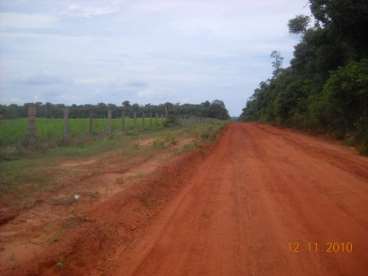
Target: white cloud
27 21
93 8
77 10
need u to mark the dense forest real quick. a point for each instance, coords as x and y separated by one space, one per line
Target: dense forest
325 88
215 109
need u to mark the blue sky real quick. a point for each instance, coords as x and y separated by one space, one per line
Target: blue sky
145 51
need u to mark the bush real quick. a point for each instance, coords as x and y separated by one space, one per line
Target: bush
361 136
171 121
363 149
345 97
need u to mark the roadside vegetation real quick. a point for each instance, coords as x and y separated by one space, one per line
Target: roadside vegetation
325 89
32 172
50 131
86 123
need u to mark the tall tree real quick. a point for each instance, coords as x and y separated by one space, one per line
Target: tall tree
325 88
277 62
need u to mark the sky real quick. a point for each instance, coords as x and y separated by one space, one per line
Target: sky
144 51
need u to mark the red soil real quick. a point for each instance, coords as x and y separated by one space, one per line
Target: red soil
231 212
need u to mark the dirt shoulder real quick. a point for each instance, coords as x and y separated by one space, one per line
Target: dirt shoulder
82 185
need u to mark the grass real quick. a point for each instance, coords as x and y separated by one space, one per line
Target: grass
14 131
26 174
208 131
165 141
35 169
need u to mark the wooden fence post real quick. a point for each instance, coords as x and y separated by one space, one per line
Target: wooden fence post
123 120
66 124
109 122
157 120
135 120
90 125
31 138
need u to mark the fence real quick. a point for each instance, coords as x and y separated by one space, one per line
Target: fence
32 130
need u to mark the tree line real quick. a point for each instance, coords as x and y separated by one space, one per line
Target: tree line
326 86
215 109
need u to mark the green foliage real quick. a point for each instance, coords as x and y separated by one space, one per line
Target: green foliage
208 131
362 135
50 131
217 110
277 62
171 121
49 110
345 97
326 86
299 24
167 140
347 19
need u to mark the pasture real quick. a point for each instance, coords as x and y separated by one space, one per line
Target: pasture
14 131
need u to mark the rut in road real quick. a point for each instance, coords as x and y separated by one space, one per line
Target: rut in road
260 189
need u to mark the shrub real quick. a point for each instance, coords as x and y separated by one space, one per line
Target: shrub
362 135
345 97
171 121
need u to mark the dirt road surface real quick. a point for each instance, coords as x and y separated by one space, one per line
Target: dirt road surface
265 201
260 189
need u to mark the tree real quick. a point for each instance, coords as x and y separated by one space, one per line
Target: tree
325 88
299 24
347 19
50 110
345 97
218 110
277 62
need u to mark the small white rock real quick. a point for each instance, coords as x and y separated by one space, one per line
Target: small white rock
76 197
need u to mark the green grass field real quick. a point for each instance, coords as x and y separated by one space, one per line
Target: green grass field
13 132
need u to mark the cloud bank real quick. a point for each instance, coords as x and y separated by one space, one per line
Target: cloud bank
143 51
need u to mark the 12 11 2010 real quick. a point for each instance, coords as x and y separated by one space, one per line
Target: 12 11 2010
331 247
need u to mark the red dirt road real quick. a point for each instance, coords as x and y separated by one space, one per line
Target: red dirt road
260 189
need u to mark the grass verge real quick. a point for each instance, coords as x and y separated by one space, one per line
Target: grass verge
26 174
